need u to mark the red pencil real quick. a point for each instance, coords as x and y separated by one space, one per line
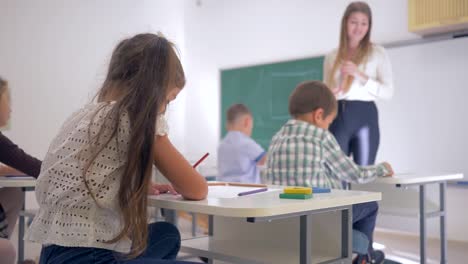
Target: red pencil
200 160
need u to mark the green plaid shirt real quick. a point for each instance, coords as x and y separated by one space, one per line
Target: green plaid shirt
301 154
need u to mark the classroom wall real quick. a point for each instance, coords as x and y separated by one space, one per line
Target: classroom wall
55 53
53 49
422 126
222 34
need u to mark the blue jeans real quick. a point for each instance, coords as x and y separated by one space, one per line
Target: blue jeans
163 246
364 218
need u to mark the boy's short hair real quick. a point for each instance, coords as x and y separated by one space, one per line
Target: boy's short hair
310 96
235 111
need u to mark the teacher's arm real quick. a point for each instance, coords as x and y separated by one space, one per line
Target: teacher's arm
382 86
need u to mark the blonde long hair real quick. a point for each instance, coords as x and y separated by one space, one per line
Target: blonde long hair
364 48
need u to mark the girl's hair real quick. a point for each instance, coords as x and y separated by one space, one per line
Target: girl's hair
3 86
141 72
364 48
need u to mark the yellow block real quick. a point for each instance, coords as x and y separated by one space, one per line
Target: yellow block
299 190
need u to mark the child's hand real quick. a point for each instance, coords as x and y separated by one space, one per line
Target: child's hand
7 170
156 189
389 168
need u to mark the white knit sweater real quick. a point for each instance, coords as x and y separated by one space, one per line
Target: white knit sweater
68 215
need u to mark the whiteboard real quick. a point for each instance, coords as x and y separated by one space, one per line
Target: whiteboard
424 127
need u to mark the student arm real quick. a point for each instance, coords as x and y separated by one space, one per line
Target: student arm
382 86
254 152
185 179
262 160
7 170
343 167
16 158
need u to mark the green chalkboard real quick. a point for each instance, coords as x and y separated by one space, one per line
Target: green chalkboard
265 89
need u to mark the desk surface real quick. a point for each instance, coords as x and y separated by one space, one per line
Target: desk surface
17 181
418 178
262 204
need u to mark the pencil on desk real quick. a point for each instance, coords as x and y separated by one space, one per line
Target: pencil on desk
252 192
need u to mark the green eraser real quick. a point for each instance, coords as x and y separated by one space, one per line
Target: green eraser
299 196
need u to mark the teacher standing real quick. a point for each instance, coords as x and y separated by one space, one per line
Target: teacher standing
359 73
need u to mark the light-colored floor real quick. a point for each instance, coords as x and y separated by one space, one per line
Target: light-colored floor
404 248
399 247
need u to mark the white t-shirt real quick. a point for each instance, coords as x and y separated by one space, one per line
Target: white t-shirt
377 67
68 215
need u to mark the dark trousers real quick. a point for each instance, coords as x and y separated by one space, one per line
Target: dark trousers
163 246
364 218
356 128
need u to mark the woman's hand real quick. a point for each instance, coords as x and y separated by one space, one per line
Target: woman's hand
156 189
349 68
336 90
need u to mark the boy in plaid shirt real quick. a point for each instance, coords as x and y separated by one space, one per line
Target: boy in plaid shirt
304 153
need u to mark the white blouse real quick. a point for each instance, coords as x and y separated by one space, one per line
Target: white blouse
377 67
68 215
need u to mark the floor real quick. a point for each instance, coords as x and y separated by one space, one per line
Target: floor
402 248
